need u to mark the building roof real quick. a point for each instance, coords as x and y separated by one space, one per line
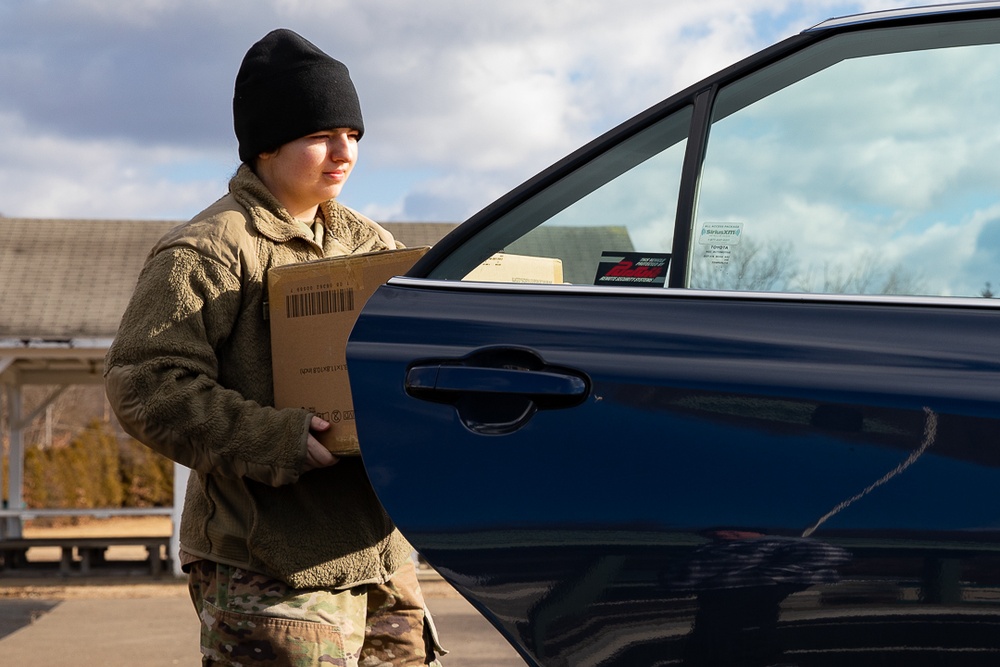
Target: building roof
66 284
579 248
71 279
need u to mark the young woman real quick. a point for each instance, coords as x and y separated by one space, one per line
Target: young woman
291 558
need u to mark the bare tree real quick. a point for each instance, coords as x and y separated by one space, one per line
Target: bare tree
751 267
771 267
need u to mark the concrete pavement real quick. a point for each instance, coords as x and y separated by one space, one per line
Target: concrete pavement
154 626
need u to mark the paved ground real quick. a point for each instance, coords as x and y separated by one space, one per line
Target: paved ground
106 623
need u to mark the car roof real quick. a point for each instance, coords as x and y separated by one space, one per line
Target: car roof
907 12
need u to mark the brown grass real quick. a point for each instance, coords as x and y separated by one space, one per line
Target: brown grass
122 526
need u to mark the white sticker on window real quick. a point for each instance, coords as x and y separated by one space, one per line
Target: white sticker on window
718 239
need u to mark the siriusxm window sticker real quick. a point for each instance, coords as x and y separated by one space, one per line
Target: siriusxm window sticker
718 239
632 269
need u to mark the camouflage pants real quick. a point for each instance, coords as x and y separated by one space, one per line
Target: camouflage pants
250 619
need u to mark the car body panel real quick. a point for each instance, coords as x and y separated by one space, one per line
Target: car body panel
914 12
768 420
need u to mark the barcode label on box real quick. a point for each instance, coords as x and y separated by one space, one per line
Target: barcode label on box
319 303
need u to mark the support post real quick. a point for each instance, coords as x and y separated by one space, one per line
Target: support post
181 475
15 462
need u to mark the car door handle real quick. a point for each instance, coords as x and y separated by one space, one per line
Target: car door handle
497 390
443 380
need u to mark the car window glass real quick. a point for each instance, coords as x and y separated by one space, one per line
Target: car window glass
622 201
863 165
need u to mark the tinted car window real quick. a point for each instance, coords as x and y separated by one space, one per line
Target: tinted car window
624 199
864 165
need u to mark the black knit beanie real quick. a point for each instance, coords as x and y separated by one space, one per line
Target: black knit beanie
288 88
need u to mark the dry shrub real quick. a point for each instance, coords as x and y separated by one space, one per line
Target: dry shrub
96 470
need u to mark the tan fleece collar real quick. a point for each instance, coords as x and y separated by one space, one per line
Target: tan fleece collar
346 231
267 214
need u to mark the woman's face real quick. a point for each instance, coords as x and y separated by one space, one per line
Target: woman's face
310 170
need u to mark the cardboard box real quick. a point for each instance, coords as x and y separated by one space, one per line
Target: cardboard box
506 268
312 308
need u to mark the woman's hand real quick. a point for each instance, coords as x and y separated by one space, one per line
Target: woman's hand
318 456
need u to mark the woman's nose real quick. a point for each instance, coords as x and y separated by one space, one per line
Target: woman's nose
340 147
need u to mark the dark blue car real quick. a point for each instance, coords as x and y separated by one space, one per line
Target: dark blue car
722 387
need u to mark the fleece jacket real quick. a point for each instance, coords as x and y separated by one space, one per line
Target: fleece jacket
189 375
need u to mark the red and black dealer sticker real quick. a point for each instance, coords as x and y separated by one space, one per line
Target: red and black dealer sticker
632 269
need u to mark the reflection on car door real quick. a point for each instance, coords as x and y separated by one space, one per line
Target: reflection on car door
860 426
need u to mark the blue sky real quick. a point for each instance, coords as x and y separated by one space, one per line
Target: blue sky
122 108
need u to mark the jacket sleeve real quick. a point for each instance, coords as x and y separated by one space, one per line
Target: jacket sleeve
162 377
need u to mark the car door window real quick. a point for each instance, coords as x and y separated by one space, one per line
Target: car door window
623 200
858 169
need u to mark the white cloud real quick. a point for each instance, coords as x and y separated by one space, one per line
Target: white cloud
481 95
49 176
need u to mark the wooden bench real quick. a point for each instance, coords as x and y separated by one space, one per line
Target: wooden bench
89 549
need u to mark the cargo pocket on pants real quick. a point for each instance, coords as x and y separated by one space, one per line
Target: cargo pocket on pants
229 636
